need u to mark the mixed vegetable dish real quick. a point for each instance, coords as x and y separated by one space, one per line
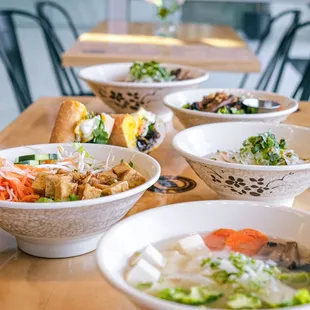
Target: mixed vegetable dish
152 71
225 269
263 149
222 103
64 176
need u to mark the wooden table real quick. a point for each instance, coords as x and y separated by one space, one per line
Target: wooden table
216 48
30 283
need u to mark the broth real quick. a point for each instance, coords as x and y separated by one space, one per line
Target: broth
189 267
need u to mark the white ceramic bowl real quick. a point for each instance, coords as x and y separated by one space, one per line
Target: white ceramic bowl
272 184
127 97
154 225
190 118
72 228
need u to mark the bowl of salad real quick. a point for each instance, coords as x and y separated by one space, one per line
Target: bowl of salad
211 257
215 105
249 161
127 87
58 199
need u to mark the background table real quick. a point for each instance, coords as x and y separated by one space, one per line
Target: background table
30 283
216 48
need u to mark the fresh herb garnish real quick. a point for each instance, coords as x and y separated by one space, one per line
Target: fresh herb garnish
143 286
45 200
122 160
265 149
186 106
152 69
130 164
73 197
80 148
100 135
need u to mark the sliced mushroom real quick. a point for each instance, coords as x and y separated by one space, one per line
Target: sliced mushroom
290 257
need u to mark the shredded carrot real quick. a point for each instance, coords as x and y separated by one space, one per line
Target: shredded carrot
30 198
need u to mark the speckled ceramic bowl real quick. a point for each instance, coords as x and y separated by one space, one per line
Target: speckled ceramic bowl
272 184
127 97
190 118
65 229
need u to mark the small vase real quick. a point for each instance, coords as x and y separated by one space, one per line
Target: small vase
166 28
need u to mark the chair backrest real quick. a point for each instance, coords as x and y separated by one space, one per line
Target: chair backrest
267 74
21 91
11 55
42 10
67 79
302 91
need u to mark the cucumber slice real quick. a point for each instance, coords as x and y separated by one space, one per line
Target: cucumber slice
29 162
37 157
53 156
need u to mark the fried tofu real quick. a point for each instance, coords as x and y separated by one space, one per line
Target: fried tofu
39 183
51 181
64 188
91 192
100 186
126 173
116 188
106 177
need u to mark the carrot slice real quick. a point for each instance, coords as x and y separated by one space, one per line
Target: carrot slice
243 243
223 232
215 243
30 198
255 234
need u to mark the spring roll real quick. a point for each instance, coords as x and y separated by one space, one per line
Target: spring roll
69 114
124 131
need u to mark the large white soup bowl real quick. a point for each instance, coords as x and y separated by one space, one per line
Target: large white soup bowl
272 184
136 232
64 229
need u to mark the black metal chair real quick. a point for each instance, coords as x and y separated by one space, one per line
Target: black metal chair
11 55
267 74
67 79
21 91
302 91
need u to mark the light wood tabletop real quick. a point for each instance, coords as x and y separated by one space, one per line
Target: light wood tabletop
30 283
216 48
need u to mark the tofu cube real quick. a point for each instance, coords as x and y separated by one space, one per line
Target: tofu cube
175 264
39 183
91 192
142 272
126 173
51 181
106 177
116 188
64 188
152 256
190 244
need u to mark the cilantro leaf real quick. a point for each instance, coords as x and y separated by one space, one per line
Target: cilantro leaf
100 135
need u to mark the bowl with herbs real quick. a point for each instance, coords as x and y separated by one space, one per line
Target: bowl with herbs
249 161
216 105
126 87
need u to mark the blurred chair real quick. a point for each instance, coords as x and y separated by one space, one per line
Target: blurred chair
302 91
67 79
11 55
277 56
21 91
